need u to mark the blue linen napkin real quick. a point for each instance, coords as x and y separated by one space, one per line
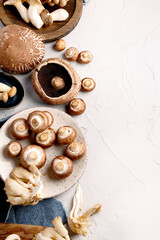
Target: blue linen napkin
41 214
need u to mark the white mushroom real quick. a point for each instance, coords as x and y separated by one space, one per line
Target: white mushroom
24 186
20 8
4 96
79 223
59 15
57 223
34 11
5 88
13 237
57 233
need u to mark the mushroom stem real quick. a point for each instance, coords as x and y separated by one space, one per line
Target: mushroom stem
4 87
4 96
59 15
20 8
34 12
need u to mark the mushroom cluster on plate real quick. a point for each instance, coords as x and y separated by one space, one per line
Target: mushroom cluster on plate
37 14
26 178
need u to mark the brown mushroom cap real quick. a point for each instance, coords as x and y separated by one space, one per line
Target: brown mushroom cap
60 45
46 18
21 49
85 57
87 84
37 121
46 138
13 149
76 106
19 128
42 77
62 167
32 154
71 54
66 135
75 150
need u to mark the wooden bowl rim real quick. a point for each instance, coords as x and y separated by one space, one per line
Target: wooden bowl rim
50 36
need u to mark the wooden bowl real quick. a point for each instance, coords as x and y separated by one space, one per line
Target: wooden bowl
9 15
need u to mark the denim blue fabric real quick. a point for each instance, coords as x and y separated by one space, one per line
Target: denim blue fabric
85 2
40 214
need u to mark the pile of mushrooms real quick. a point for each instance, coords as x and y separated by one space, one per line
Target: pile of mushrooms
36 12
24 186
59 232
6 92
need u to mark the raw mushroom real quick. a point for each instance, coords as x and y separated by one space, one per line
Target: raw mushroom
13 237
59 15
24 186
34 11
20 8
57 223
4 96
57 233
77 222
46 18
5 88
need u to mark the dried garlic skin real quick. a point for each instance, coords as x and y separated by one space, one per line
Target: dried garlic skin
24 186
77 222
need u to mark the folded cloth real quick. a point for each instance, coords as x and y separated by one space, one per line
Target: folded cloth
40 214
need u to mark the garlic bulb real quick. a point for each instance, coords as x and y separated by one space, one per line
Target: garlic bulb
57 233
24 186
79 223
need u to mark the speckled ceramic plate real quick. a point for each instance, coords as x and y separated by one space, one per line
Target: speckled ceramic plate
52 187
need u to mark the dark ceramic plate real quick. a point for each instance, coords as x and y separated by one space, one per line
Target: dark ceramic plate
11 81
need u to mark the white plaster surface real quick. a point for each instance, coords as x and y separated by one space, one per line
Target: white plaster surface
122 120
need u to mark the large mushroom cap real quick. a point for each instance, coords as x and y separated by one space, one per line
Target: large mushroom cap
47 71
21 49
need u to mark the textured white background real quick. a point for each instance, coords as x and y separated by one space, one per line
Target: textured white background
122 120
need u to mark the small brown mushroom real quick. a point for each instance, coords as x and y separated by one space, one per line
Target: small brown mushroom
46 138
19 128
85 57
46 18
71 54
58 83
37 121
32 154
62 167
50 118
76 106
60 45
75 150
66 135
87 84
13 149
